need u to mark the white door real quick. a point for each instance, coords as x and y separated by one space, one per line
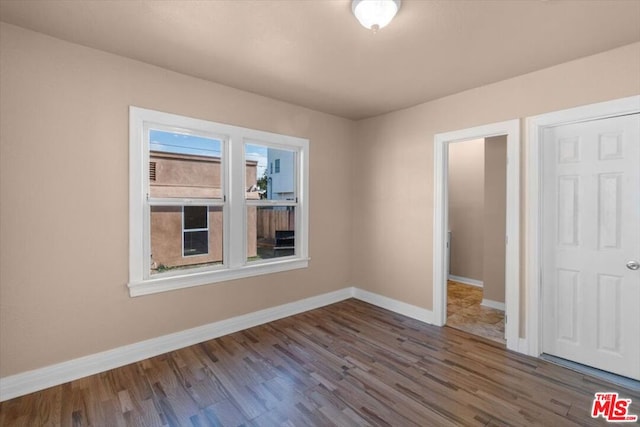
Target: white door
590 231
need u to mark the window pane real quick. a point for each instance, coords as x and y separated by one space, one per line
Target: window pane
196 243
184 166
174 247
270 173
195 217
270 232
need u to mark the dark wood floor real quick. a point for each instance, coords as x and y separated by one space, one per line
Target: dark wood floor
348 364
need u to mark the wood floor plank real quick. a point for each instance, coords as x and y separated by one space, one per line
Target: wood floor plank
347 364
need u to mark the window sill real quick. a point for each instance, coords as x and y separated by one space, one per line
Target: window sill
169 283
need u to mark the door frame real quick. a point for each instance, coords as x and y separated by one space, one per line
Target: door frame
511 129
536 126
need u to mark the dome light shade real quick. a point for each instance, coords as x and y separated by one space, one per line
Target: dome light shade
375 14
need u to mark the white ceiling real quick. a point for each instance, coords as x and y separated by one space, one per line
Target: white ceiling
315 54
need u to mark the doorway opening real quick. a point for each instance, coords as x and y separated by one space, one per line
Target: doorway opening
477 172
442 144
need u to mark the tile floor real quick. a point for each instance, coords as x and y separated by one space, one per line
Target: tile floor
464 312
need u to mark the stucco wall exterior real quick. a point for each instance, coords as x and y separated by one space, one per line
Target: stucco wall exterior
191 177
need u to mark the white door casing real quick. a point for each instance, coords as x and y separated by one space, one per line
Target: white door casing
591 229
536 126
511 129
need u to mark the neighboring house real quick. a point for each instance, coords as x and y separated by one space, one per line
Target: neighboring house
280 174
190 235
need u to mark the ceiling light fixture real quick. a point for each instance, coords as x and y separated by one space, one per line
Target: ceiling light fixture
375 14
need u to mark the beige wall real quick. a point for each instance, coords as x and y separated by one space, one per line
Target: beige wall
396 261
466 208
477 212
495 217
63 275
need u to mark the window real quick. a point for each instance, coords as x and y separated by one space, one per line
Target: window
205 208
195 230
275 209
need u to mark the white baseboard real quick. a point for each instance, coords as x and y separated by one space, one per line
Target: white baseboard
493 304
396 306
466 280
49 376
523 347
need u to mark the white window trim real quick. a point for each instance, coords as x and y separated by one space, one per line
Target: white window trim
235 265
